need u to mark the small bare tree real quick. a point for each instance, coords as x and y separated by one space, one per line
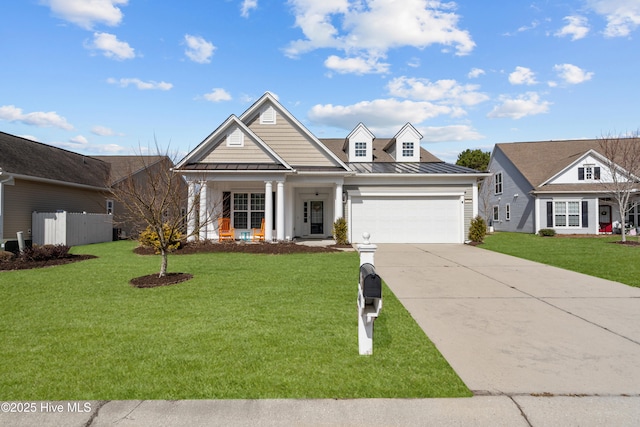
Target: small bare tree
154 197
621 178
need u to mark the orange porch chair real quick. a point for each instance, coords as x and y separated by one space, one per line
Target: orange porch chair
225 231
258 235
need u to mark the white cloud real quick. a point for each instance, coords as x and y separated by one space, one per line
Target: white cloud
448 92
572 74
11 113
386 114
623 16
450 133
576 27
363 29
248 5
528 104
31 137
142 85
475 73
522 76
111 47
198 49
81 140
87 13
218 95
358 65
102 131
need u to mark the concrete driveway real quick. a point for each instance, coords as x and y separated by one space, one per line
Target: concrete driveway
511 326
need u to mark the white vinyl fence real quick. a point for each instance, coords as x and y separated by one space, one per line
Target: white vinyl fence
71 229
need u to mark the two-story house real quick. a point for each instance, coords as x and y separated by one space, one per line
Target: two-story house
265 164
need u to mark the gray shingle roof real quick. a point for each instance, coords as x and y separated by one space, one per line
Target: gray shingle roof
336 145
124 166
25 157
430 167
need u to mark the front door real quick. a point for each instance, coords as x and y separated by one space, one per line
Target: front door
605 218
317 217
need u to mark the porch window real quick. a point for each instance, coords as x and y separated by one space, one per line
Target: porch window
248 210
567 214
361 149
633 219
407 149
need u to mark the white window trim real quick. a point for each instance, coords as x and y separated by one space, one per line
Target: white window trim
248 211
360 149
566 214
405 149
496 182
110 206
496 213
507 212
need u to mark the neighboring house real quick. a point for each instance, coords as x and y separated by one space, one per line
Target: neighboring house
266 164
550 184
140 169
42 178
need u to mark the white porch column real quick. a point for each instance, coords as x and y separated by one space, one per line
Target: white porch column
280 210
474 194
268 211
191 212
338 211
203 210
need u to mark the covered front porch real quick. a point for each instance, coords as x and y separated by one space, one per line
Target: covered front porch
292 206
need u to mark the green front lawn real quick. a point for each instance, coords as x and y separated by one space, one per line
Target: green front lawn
246 326
596 256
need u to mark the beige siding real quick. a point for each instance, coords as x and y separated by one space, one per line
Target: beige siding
24 197
290 143
251 152
468 210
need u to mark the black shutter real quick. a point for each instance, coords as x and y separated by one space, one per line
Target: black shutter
226 204
596 173
549 214
581 174
273 204
585 214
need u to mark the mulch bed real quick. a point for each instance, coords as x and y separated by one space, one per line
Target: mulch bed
247 248
153 281
18 264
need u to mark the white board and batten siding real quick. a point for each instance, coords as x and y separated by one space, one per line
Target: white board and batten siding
71 229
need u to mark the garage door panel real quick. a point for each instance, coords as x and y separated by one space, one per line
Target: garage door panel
407 220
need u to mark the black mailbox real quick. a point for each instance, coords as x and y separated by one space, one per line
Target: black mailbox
370 282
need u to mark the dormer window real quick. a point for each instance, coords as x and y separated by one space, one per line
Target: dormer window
361 149
407 149
268 116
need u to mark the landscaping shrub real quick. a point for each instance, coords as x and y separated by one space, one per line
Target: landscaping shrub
340 231
547 232
149 238
6 255
44 252
477 229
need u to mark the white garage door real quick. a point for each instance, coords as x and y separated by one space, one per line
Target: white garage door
430 219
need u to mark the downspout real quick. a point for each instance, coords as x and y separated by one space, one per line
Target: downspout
4 180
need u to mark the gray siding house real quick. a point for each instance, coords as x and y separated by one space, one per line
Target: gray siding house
550 184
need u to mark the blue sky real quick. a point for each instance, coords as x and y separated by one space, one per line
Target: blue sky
111 76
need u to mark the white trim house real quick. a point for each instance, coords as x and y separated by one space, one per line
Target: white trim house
266 164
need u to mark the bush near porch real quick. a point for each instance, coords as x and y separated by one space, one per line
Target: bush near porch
599 256
246 326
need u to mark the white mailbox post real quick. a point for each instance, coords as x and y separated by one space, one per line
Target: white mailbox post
369 296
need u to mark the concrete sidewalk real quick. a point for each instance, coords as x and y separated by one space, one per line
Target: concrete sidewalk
539 346
490 411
